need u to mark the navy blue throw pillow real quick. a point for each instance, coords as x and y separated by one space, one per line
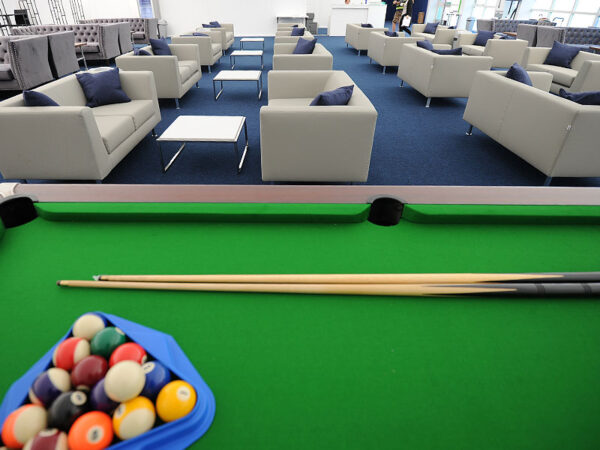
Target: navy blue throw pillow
102 88
431 28
518 73
199 34
215 24
366 25
425 44
583 98
295 26
482 37
160 47
209 25
33 98
452 51
337 97
391 33
561 55
305 46
141 52
297 31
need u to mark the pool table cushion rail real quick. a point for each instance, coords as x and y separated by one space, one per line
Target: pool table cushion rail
163 347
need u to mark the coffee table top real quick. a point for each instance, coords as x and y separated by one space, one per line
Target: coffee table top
204 129
238 75
247 53
252 39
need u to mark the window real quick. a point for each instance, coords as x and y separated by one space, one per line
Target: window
568 13
484 9
146 11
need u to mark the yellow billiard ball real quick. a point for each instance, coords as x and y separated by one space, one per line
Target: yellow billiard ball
175 400
133 417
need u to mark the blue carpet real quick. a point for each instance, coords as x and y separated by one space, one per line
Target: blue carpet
413 145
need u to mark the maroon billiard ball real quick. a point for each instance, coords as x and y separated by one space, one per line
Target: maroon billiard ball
88 372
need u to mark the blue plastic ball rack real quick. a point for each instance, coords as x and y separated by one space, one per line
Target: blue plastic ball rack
178 434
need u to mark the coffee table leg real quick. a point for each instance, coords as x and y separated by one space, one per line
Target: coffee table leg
259 87
235 146
232 61
175 156
217 95
262 62
83 57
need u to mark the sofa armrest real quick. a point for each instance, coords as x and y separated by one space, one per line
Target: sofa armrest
228 27
535 55
539 80
444 36
138 85
588 78
164 68
303 62
442 46
283 49
203 43
73 148
452 76
185 52
297 84
418 27
465 39
281 33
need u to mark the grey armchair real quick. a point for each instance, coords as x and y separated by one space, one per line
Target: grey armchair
63 59
210 46
24 62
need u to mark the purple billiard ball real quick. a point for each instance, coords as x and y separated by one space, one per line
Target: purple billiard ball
100 401
157 376
48 386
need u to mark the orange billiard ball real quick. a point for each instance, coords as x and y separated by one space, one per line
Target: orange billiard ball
92 431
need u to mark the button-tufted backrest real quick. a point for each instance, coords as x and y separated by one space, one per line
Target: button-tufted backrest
4 58
582 36
136 24
88 32
504 25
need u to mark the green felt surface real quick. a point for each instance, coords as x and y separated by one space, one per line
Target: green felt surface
324 372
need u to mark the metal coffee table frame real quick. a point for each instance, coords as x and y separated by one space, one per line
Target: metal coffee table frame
233 55
246 40
259 87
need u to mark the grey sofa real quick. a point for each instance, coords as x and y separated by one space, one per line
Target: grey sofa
102 39
567 35
24 62
502 25
72 141
140 30
315 143
63 60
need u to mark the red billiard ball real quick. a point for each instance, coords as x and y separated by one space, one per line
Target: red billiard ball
88 372
69 352
128 352
51 439
92 431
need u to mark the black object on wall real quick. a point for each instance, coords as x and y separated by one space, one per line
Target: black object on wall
21 17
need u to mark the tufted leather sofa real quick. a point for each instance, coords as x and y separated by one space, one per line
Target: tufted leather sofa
567 35
142 29
102 39
24 62
502 25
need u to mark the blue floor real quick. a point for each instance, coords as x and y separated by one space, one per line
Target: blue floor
413 145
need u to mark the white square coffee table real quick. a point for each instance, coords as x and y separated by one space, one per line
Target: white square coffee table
204 129
237 75
245 40
245 53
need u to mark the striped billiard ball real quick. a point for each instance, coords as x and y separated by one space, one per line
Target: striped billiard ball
133 418
49 385
69 352
124 381
23 424
129 351
157 376
51 439
100 401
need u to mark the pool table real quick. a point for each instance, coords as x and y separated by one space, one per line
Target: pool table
331 372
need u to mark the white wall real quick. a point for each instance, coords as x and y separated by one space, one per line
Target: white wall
109 9
250 17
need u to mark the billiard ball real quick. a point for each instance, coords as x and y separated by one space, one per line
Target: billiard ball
23 424
157 376
92 431
51 439
88 325
66 409
128 352
69 352
100 401
134 417
106 341
88 372
49 385
124 381
175 400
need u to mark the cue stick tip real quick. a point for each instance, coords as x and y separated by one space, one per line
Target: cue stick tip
97 277
59 283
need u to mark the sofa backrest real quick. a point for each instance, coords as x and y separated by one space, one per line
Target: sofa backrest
4 55
338 79
503 25
136 24
582 57
87 32
65 91
582 36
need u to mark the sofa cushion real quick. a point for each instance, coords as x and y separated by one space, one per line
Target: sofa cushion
425 45
518 73
91 47
304 47
391 33
185 72
482 37
139 35
114 130
561 55
297 32
431 28
6 72
337 97
583 98
34 98
216 48
473 50
102 88
160 47
138 110
560 75
451 51
190 63
291 102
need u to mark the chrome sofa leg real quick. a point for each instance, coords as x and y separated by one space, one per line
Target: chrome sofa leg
428 102
547 181
177 103
470 132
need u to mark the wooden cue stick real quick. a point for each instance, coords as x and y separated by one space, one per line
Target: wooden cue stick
376 278
514 289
